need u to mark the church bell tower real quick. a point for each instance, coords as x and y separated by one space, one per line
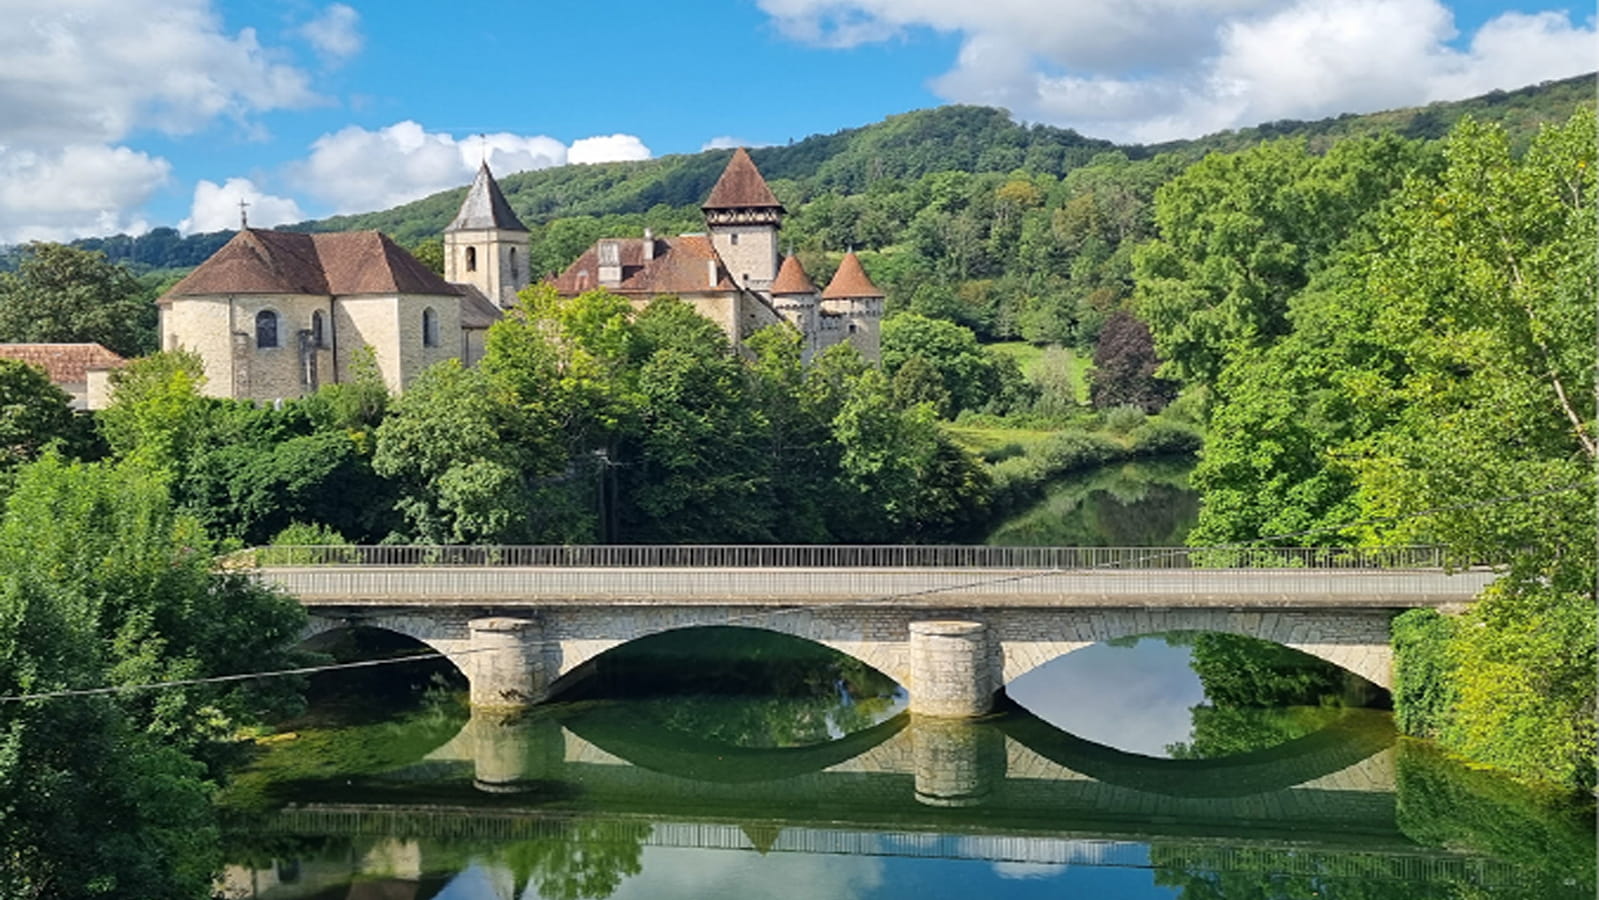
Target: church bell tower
486 245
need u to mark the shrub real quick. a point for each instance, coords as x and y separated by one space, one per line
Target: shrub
1123 419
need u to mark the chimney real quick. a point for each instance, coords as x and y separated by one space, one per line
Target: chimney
649 245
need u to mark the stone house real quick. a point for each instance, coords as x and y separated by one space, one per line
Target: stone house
82 370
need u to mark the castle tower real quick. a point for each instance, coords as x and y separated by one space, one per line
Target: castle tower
794 296
487 245
743 216
853 296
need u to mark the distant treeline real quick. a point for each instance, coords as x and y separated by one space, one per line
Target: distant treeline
664 193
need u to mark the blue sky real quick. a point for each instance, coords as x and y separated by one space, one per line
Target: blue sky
119 115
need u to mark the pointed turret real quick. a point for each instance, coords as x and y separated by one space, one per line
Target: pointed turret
852 297
486 245
792 278
743 216
850 282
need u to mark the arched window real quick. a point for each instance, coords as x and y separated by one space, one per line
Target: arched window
430 328
316 330
266 329
471 259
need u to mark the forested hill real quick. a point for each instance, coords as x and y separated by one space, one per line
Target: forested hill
665 192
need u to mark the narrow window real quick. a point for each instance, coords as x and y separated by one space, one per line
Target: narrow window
733 239
266 329
513 265
471 259
316 330
430 328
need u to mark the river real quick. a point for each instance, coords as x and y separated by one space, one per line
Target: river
730 763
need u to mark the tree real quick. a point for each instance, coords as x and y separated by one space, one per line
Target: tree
103 584
466 456
60 294
1124 367
970 376
156 411
34 413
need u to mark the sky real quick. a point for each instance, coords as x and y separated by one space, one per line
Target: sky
122 115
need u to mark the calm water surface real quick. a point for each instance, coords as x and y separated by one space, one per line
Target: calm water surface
807 779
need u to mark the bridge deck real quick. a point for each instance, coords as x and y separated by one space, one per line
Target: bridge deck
905 587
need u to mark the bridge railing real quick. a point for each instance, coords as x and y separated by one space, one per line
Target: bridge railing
772 556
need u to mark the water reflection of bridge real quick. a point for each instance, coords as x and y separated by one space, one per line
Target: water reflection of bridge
1010 791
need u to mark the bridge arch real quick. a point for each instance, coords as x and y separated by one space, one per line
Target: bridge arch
423 629
1354 640
580 638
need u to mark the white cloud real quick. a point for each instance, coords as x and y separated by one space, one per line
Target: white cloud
216 207
335 35
728 142
357 170
74 191
607 148
79 71
1162 69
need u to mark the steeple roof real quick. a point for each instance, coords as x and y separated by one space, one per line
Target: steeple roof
485 207
791 278
741 186
850 281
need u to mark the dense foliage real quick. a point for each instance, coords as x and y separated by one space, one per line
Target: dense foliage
1423 376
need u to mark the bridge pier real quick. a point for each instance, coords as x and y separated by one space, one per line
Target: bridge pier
952 667
507 672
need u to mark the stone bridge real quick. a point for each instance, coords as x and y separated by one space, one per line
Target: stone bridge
953 625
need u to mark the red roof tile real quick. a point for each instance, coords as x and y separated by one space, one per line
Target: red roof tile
741 186
792 279
681 265
282 262
850 281
64 363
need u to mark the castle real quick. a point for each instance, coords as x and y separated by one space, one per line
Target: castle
733 275
275 315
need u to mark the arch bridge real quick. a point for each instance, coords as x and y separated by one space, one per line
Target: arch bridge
951 624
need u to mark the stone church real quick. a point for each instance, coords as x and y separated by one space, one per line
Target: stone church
275 314
734 274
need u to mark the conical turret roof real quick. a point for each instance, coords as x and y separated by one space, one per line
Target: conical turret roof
485 207
741 186
850 281
791 278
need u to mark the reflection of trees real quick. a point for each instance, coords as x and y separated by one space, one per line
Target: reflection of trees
1226 730
1203 873
1445 804
743 687
1146 504
1261 695
585 860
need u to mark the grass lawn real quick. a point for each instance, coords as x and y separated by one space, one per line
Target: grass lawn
981 439
1030 358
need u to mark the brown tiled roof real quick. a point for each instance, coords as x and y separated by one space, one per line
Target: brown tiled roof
682 265
485 207
791 278
283 262
741 186
477 311
64 363
850 281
